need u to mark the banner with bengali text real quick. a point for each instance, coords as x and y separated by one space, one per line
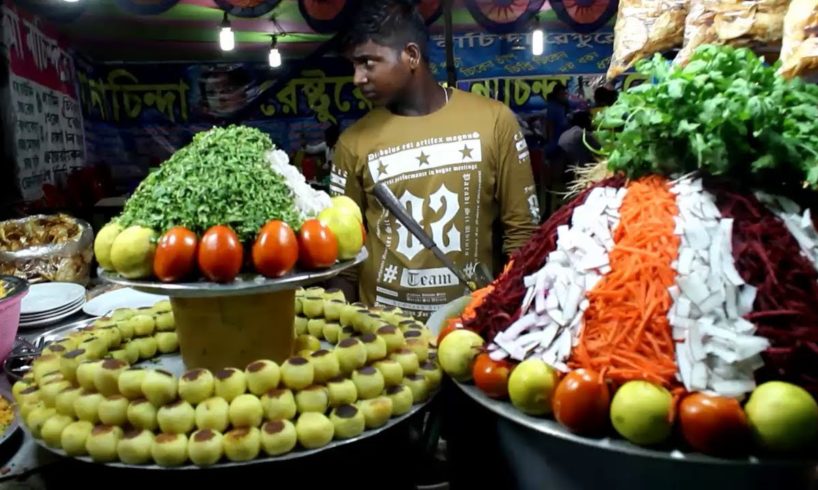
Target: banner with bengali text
136 115
46 116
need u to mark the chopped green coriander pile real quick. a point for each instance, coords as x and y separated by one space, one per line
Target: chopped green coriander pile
221 178
725 113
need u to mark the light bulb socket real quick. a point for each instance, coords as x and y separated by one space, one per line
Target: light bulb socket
225 21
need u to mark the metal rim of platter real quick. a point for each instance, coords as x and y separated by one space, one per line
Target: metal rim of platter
297 453
552 428
41 341
243 285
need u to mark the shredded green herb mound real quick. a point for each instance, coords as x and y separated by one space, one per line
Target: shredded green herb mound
221 178
726 113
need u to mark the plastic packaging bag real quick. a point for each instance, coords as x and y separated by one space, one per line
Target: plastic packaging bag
799 48
45 248
756 24
645 27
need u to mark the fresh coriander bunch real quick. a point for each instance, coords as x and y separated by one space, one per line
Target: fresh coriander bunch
221 178
725 113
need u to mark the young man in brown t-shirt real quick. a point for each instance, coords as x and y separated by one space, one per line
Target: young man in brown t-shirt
456 161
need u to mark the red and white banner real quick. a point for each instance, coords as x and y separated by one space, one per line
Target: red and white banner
46 114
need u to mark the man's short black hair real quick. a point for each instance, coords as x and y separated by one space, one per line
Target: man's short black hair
332 133
393 23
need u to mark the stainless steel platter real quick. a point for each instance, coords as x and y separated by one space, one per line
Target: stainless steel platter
243 285
173 363
550 428
295 454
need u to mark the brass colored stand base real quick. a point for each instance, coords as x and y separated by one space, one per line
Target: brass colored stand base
233 331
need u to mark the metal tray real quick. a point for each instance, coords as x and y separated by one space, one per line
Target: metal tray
173 363
244 284
551 428
295 454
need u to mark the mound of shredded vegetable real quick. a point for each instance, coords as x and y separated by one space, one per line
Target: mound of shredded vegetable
222 177
501 306
768 257
689 284
626 330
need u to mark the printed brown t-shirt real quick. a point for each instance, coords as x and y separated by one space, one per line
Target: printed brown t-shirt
455 171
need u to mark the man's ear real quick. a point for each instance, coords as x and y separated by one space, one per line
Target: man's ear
413 54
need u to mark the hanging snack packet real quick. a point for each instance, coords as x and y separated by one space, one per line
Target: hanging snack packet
755 24
799 48
644 27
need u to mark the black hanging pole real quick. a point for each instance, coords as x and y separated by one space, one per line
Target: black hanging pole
451 70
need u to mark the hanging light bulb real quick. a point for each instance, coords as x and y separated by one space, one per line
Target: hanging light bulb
71 1
538 42
274 59
227 40
537 38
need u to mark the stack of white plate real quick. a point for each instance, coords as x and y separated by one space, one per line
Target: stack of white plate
50 302
120 298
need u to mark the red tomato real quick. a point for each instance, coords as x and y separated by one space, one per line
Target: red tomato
175 257
276 249
220 254
714 424
317 245
581 402
491 376
450 327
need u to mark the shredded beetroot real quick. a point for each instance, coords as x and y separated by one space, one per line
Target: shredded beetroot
502 306
768 257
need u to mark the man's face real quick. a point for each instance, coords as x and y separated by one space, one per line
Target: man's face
381 72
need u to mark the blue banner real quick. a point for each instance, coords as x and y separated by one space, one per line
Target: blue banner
484 55
137 115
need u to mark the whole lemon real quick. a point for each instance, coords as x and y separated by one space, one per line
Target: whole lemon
783 416
347 204
132 252
347 229
640 412
104 241
457 353
531 386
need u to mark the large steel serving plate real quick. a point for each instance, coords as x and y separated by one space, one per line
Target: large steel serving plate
173 363
245 284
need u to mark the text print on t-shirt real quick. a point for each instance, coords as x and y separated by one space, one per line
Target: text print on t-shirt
438 182
447 241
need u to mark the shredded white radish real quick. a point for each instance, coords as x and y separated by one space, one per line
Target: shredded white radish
717 349
307 200
551 313
798 223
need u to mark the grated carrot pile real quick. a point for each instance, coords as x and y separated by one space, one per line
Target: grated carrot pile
626 333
